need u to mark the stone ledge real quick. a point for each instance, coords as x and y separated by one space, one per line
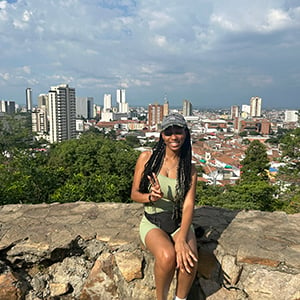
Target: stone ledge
92 251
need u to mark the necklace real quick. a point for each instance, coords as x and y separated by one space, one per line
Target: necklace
168 169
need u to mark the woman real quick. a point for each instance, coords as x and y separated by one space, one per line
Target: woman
165 181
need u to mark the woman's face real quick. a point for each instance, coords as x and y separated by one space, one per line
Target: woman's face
174 137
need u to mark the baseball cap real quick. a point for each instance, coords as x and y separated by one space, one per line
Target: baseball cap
173 119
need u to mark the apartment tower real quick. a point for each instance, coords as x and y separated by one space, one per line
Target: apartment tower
29 99
155 114
255 107
166 106
187 108
234 112
107 103
121 101
62 113
84 107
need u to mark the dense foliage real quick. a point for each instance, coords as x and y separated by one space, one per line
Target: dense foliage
98 168
289 174
255 164
15 132
92 168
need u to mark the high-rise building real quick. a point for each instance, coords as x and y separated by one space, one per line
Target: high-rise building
40 117
43 101
40 123
234 112
107 103
84 107
155 114
166 106
62 113
187 108
121 101
7 106
255 107
107 115
29 99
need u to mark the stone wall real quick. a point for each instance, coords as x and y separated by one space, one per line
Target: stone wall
92 251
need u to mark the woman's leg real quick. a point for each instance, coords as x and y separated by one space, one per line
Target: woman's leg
184 279
162 248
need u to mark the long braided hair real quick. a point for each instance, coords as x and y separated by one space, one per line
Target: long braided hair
184 178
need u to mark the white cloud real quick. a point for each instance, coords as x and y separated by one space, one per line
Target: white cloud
160 40
26 69
26 16
152 45
5 76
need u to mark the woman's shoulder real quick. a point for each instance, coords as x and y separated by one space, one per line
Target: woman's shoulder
145 155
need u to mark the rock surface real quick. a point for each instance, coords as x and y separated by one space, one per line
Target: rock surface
92 251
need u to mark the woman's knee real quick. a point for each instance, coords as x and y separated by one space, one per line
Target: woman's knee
166 258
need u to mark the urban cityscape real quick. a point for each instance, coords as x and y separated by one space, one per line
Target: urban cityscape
220 137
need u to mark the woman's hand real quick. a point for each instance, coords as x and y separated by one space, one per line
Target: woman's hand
185 257
156 192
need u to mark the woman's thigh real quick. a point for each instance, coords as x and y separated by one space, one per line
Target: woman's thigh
159 243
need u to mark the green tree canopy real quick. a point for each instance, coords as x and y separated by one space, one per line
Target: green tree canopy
16 132
256 163
290 145
91 168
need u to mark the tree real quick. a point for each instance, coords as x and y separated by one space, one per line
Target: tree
255 195
132 140
289 174
26 178
98 169
92 168
243 134
290 145
15 132
255 164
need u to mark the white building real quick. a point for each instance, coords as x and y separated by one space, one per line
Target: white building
121 101
107 116
40 123
255 106
107 107
62 113
291 116
246 108
29 99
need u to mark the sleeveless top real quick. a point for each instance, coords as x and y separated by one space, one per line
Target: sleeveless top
167 186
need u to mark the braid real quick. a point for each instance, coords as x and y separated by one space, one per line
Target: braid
153 165
183 173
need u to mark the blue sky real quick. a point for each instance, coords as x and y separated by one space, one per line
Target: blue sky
214 53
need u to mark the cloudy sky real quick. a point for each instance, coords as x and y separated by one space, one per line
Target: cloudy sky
215 53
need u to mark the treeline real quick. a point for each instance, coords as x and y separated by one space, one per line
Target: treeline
92 168
98 168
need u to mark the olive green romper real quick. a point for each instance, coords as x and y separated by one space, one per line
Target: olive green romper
166 203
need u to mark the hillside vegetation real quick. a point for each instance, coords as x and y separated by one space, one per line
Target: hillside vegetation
98 168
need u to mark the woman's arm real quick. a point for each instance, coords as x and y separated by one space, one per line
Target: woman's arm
136 195
185 256
155 193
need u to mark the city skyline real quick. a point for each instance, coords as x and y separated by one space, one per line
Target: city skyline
215 54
